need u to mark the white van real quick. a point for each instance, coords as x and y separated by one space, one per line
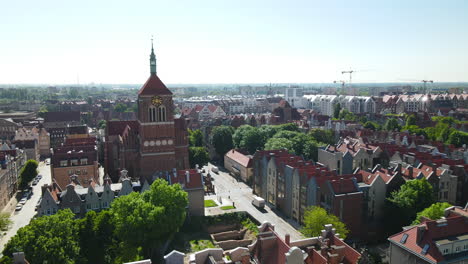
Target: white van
258 202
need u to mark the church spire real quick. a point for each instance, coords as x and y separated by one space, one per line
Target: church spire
152 59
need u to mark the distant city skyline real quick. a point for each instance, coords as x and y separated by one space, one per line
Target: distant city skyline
58 42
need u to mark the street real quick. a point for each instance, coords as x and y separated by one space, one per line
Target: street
23 217
241 194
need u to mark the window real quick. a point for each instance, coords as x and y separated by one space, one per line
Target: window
404 238
152 114
63 163
457 249
162 113
84 161
465 247
446 251
88 206
74 162
425 249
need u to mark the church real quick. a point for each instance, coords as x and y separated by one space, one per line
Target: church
153 145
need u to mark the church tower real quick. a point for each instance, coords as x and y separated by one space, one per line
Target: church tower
156 126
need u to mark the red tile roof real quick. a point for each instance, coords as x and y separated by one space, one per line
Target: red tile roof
342 185
154 86
431 232
194 181
62 116
240 158
118 127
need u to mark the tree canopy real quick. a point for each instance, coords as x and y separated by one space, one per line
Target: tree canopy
28 173
195 138
198 155
135 227
279 143
316 217
458 138
392 124
433 212
50 239
221 139
412 197
336 110
5 221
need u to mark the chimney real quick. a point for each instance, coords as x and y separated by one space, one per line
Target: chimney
287 239
398 168
187 176
19 258
420 233
434 168
410 171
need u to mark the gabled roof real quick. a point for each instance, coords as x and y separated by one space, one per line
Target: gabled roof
118 127
62 116
154 86
428 233
242 159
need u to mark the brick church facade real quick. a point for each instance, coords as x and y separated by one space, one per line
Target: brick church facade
155 143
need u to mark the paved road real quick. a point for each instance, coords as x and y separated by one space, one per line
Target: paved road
24 216
241 194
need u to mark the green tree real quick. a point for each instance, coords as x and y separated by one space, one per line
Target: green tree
336 110
326 136
310 151
371 125
5 221
196 138
198 155
239 134
297 139
221 139
253 140
392 124
27 173
458 138
412 197
102 124
120 108
410 120
433 212
47 239
316 217
149 219
279 143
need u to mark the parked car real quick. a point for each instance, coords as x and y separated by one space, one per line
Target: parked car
23 201
39 176
19 207
27 194
215 169
258 202
35 182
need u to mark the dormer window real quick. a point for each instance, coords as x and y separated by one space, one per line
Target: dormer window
84 161
74 162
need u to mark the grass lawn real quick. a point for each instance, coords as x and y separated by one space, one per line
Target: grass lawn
198 245
227 207
210 203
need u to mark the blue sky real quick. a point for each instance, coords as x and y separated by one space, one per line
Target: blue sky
221 41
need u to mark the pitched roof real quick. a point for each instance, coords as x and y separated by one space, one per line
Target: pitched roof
62 116
118 127
341 186
154 86
428 233
239 157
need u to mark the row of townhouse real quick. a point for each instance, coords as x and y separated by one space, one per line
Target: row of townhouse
357 198
290 184
449 177
80 199
325 104
11 162
433 103
203 112
234 105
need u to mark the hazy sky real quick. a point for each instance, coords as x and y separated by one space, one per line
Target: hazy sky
224 41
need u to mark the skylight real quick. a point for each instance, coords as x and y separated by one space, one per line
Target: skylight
425 249
403 238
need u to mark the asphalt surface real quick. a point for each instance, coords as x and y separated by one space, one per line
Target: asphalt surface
23 217
240 193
